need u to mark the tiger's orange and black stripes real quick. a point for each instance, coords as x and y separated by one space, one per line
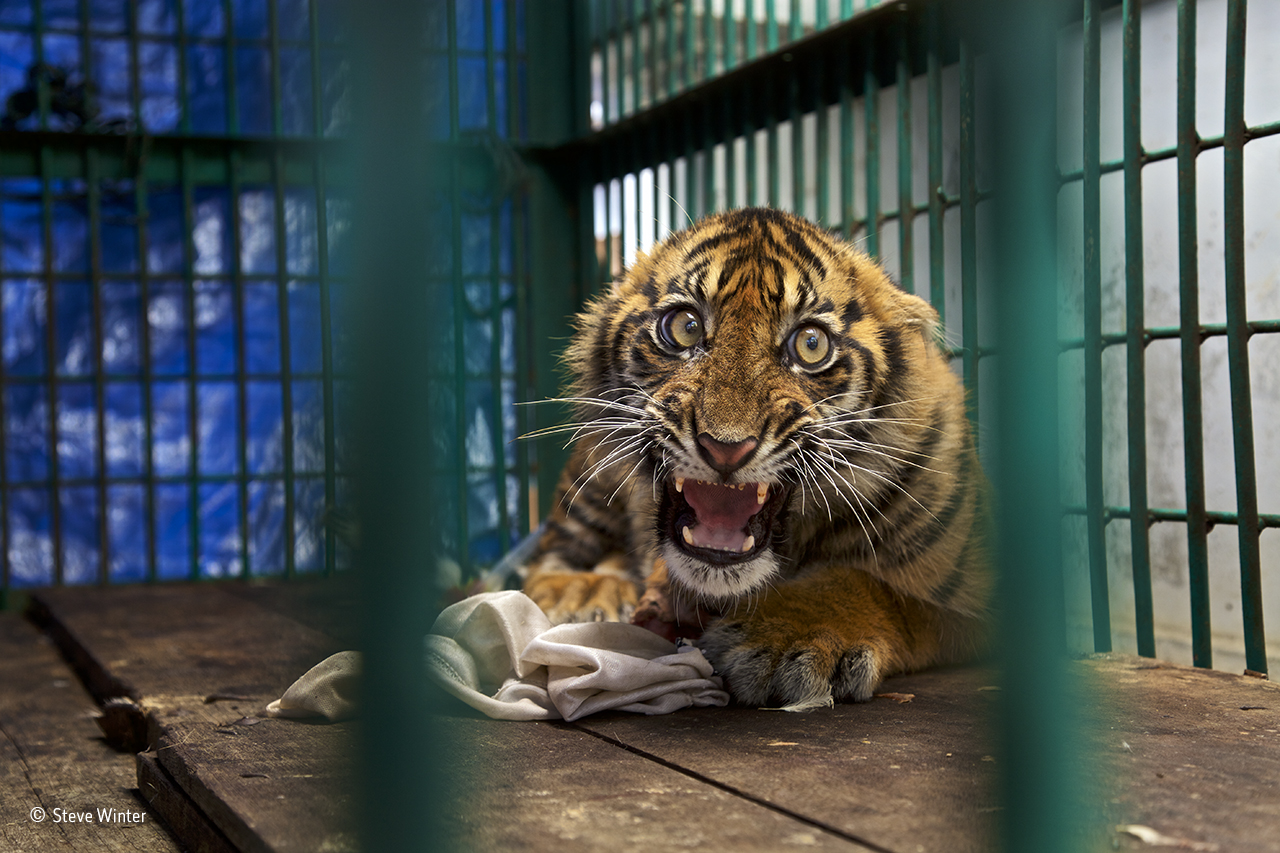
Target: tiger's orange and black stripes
770 431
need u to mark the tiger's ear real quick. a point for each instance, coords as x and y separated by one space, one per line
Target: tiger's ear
916 313
626 283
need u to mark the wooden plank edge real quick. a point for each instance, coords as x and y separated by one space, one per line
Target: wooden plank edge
186 821
93 673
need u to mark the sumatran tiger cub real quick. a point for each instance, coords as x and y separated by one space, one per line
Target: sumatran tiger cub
770 433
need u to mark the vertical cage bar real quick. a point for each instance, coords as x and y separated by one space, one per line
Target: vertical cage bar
495 289
730 36
823 152
690 44
670 38
906 207
637 25
749 134
51 360
795 27
709 37
797 141
319 174
1135 330
93 178
193 396
1095 520
933 82
845 72
1189 317
617 33
148 376
459 297
771 26
229 48
871 108
242 404
1238 344
286 371
969 231
751 48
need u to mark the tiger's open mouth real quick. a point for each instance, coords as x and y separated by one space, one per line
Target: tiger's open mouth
721 524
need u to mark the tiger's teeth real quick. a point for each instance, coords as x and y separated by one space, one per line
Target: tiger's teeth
762 493
747 544
688 537
679 484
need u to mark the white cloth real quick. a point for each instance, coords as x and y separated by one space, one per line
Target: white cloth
328 689
498 653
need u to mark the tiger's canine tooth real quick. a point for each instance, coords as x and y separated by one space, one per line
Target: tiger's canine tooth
762 493
688 537
679 484
748 543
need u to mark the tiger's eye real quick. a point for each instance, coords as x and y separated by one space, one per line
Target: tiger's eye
681 328
810 345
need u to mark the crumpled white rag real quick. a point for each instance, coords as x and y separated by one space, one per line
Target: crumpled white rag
499 653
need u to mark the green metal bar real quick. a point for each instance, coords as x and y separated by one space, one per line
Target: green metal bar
242 404
671 49
459 300
709 36
730 37
286 372
273 34
1238 344
233 96
936 193
749 16
772 167
797 143
906 221
94 201
1189 316
636 26
795 27
51 366
1036 750
495 288
193 396
1135 322
319 179
848 213
749 133
1097 546
618 31
871 112
690 44
771 26
148 376
730 157
1178 516
969 231
824 142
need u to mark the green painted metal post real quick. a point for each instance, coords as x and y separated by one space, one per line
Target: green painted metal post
1033 730
1190 335
1238 344
1095 520
1135 330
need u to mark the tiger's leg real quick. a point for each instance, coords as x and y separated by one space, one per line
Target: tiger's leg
605 593
834 634
580 572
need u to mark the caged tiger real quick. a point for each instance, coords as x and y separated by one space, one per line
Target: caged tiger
772 446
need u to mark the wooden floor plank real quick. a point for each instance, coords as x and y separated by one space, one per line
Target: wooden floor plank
1195 753
900 776
548 788
53 757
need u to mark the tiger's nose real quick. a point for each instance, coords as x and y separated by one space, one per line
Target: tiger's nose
726 456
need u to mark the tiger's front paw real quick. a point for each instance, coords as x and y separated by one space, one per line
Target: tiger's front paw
578 596
776 663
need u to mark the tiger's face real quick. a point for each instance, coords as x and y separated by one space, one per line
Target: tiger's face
750 371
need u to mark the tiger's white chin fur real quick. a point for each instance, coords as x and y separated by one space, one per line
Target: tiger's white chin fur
719 584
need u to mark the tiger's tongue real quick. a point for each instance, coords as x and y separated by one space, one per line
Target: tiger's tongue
723 514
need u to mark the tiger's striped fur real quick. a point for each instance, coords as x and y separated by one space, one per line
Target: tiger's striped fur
754 354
